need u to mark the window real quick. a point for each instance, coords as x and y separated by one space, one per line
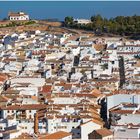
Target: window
122 130
30 116
78 127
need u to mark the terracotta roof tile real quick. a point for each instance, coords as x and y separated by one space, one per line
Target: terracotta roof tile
24 107
56 135
46 89
103 132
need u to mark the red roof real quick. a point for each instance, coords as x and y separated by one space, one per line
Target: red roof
3 77
46 89
103 132
56 135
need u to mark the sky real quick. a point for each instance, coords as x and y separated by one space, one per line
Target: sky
77 9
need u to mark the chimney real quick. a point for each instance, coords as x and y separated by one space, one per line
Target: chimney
36 123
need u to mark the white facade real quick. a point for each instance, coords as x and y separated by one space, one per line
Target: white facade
115 100
87 128
129 118
122 132
26 127
35 82
82 21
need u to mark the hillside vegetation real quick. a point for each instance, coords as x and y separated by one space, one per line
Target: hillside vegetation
120 25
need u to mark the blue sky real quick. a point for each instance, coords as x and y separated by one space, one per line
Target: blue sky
77 9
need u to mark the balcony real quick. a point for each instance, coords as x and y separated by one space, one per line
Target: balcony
70 120
21 116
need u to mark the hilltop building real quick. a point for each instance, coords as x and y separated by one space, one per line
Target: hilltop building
18 16
82 21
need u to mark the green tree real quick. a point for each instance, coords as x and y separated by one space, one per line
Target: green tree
68 20
120 25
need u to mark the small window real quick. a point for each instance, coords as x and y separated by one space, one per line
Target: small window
78 127
30 116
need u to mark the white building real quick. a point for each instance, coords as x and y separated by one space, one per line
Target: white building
82 21
125 113
18 16
126 131
88 127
